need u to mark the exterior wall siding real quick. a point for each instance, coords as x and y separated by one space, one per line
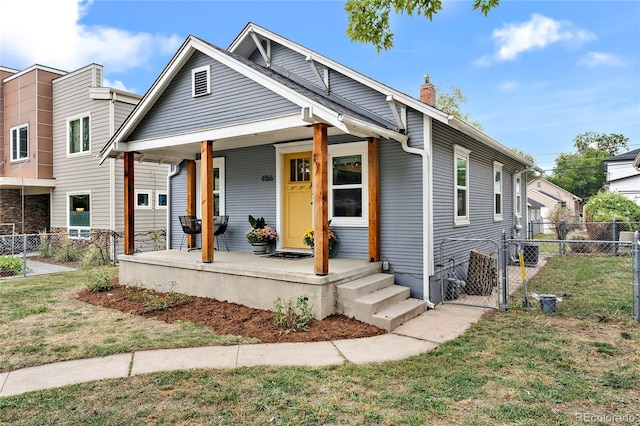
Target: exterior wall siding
82 173
233 99
482 224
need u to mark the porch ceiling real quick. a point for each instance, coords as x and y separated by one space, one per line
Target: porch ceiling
167 153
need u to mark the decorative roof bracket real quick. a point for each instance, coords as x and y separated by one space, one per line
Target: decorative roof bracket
266 55
400 117
324 82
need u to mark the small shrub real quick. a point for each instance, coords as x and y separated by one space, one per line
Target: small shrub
293 316
45 245
100 281
12 264
95 256
154 300
67 252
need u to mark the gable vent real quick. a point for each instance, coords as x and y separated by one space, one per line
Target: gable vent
200 81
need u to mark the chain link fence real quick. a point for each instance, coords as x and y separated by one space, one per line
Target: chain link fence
47 253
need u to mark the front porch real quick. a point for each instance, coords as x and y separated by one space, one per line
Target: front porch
244 278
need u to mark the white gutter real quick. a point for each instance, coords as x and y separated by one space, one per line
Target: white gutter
427 208
170 175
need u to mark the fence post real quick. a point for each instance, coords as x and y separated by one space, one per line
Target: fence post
563 236
504 307
614 249
114 244
636 276
24 255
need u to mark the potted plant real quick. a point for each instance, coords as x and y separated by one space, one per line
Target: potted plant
307 238
260 235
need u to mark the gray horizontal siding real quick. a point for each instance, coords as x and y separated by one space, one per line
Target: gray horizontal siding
234 99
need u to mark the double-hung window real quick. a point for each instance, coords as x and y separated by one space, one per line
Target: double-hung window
79 135
348 184
79 215
19 142
497 191
518 198
461 185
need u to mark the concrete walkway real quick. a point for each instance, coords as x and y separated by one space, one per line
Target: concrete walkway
419 335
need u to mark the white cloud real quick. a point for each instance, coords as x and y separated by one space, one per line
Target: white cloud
594 59
54 36
116 84
537 33
508 85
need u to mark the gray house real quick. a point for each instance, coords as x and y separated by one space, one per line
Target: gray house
88 195
272 129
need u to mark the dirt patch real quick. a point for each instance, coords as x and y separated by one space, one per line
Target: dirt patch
231 318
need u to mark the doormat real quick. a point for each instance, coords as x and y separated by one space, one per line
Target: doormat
290 255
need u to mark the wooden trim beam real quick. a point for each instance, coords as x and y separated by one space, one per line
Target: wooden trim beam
320 200
129 205
373 172
191 197
206 177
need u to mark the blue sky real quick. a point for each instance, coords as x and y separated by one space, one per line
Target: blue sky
536 73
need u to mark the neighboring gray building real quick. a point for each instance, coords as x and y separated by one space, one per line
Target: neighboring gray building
88 196
439 177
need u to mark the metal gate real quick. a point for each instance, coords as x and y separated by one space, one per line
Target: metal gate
471 272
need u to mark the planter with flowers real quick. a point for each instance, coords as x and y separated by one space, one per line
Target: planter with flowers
10 266
308 240
261 235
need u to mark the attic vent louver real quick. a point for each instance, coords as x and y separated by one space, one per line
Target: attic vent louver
200 81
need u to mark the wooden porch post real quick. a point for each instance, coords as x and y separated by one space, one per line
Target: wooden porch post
191 197
206 177
374 199
320 200
129 190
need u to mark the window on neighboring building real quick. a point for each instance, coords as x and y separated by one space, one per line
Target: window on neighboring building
200 81
348 184
497 190
143 200
518 198
79 215
78 135
19 142
161 200
461 185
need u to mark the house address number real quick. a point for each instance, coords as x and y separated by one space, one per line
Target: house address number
267 178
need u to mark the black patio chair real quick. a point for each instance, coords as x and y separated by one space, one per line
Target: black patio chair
220 227
191 225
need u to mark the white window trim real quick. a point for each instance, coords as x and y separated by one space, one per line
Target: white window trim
194 71
218 163
517 207
497 167
79 228
11 142
463 153
342 150
158 194
149 197
81 152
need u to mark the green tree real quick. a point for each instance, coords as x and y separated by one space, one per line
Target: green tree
532 174
580 174
612 144
369 19
449 102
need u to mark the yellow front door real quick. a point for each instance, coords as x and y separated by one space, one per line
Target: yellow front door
297 198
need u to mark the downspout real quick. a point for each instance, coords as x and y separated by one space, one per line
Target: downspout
170 176
427 208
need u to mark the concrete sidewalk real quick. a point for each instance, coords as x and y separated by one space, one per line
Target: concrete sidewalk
421 334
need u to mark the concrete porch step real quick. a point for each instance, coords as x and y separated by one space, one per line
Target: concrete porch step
367 305
350 291
398 313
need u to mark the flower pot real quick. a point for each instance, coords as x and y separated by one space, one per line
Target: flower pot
260 248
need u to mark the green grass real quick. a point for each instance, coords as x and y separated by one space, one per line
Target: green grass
518 367
41 321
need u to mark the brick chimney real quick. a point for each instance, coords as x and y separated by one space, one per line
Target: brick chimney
428 92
